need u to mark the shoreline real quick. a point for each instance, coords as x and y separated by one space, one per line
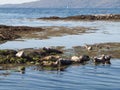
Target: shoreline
48 59
14 32
109 17
54 53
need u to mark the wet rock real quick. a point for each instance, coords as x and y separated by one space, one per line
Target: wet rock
13 32
52 17
86 17
8 52
7 35
21 69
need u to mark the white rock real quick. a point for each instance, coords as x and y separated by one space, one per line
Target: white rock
20 54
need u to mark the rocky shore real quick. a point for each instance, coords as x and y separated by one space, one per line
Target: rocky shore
14 32
59 58
115 17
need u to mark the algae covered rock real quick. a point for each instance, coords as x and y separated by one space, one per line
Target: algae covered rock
31 55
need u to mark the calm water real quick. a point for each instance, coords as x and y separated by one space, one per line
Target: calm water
80 77
20 16
85 77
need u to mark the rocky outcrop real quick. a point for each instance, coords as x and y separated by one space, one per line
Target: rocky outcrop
86 17
57 59
24 56
12 32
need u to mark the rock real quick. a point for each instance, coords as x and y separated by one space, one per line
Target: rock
86 17
20 54
14 32
22 69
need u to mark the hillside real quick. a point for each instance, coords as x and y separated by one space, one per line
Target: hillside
68 4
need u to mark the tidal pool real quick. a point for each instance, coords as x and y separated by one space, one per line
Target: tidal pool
106 31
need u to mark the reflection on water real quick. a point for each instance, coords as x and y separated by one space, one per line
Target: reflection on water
87 77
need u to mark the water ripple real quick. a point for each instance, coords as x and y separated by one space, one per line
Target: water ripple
85 77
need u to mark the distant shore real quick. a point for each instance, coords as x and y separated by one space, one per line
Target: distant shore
85 17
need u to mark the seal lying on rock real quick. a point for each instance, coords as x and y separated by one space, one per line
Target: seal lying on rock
80 59
75 59
103 59
50 50
107 59
20 54
84 58
62 61
88 47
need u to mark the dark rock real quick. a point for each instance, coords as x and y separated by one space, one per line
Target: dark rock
86 17
12 32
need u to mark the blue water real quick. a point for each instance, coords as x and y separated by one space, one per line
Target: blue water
26 17
38 12
13 16
80 77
